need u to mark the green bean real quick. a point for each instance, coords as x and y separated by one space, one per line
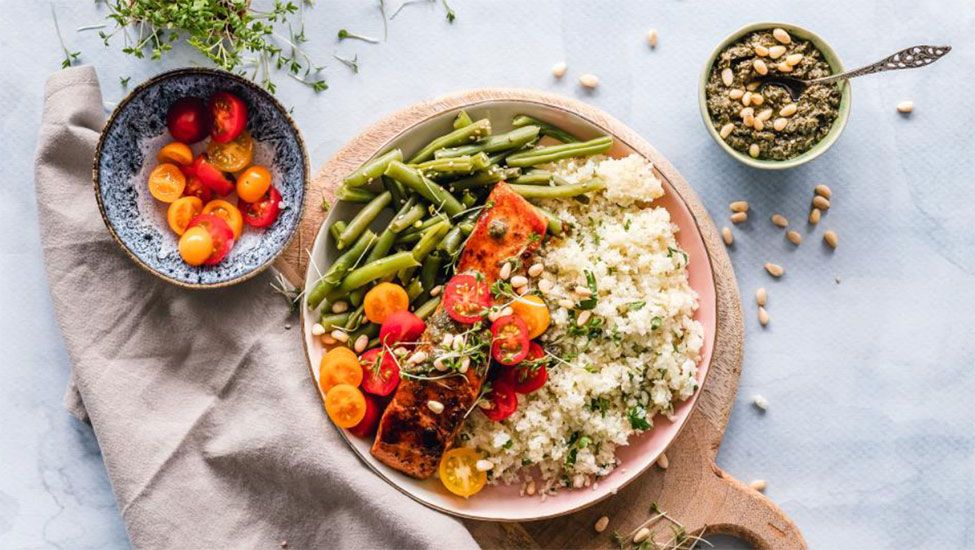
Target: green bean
354 194
414 289
490 176
547 129
369 329
382 247
412 178
540 177
333 277
463 119
406 219
544 155
431 267
355 320
468 199
519 137
427 308
395 189
356 297
466 228
453 166
336 229
372 169
417 230
409 237
378 269
334 320
560 192
428 242
460 136
452 241
373 343
555 224
363 218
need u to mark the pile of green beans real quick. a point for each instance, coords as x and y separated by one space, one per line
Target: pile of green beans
434 199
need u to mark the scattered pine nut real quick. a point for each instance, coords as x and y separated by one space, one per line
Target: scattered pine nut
757 99
435 291
558 70
758 125
663 462
774 270
751 86
567 303
736 93
760 50
776 52
814 215
340 336
793 59
784 67
739 206
583 317
530 490
535 270
820 202
758 485
726 130
761 296
789 109
764 115
317 329
545 286
760 67
754 150
739 217
519 281
905 107
782 36
435 406
727 76
641 535
484 465
780 220
505 271
831 238
582 291
794 237
360 343
340 307
763 316
760 402
779 124
601 524
589 81
652 37
746 98
727 236
823 191
328 340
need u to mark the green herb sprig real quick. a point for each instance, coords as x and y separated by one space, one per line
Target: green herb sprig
70 57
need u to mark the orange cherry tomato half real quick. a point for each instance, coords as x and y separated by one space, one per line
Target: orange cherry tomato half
459 473
383 300
345 405
263 212
181 211
214 179
228 115
534 313
220 233
228 212
166 182
233 156
195 188
195 246
339 366
176 153
253 183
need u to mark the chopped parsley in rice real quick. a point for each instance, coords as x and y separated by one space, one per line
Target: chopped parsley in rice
633 358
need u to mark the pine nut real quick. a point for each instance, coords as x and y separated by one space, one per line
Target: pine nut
439 364
530 490
317 329
746 112
567 303
746 98
448 340
776 52
726 130
823 191
663 462
519 280
484 465
339 336
739 217
435 406
905 107
794 237
760 67
601 524
507 311
758 125
764 115
739 206
535 270
748 120
522 290
793 59
757 99
831 238
774 270
641 535
752 86
727 76
340 307
545 286
736 93
779 124
754 150
727 236
558 70
328 340
762 316
505 271
760 50
589 80
417 358
789 110
583 317
360 343
821 202
435 291
760 402
761 296
784 67
814 215
782 36
780 220
758 485
582 291
652 37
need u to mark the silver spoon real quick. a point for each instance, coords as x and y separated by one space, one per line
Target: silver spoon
911 58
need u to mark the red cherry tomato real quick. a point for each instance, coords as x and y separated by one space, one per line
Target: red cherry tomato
401 327
530 374
466 298
195 188
367 426
188 120
211 177
263 212
509 340
220 232
379 379
229 114
503 400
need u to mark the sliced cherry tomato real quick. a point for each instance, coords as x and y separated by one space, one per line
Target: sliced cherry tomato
503 400
534 313
382 378
214 179
509 340
263 212
345 405
188 120
530 374
166 182
181 211
232 156
195 246
220 232
466 297
229 117
339 366
195 188
383 300
176 153
459 473
253 183
370 421
228 212
401 327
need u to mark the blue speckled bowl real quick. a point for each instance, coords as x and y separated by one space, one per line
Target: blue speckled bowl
128 145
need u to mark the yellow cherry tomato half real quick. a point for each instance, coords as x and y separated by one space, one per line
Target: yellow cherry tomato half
345 405
534 313
459 473
228 213
166 182
339 366
181 211
233 156
196 245
383 300
253 183
176 153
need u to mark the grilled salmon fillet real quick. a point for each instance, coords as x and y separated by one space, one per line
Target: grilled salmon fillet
412 438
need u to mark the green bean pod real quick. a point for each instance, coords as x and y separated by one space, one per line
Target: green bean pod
406 218
546 128
395 189
363 218
543 155
372 169
463 119
382 247
427 308
334 320
378 269
412 178
333 277
371 330
492 175
539 177
560 192
431 267
453 166
555 225
356 297
414 289
336 229
452 241
354 194
519 137
461 136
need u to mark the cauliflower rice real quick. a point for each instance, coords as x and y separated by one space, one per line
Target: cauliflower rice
636 356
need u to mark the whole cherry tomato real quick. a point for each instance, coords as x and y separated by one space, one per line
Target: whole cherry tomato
188 120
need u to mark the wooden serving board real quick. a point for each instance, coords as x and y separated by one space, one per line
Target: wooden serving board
692 490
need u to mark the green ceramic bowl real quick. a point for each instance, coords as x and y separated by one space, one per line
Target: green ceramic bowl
822 145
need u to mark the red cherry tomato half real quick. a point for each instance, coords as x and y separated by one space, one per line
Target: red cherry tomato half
220 232
263 212
195 188
211 177
367 426
530 374
188 120
229 114
401 327
466 298
503 400
509 340
382 378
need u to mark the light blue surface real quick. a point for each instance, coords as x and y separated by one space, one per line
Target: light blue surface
868 442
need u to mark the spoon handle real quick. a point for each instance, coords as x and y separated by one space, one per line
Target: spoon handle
910 58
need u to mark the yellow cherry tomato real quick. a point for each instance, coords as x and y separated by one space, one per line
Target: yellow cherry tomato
181 211
383 300
459 473
233 156
339 366
228 212
196 245
253 183
166 182
176 153
534 313
345 405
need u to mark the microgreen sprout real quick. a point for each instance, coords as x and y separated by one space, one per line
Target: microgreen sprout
70 57
352 64
345 34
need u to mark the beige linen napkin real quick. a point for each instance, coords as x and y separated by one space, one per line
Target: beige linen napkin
212 431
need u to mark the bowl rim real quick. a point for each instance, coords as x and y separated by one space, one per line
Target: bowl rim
846 98
153 81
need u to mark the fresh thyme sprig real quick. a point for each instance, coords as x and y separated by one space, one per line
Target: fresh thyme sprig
70 57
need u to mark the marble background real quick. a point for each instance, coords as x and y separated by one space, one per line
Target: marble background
867 363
